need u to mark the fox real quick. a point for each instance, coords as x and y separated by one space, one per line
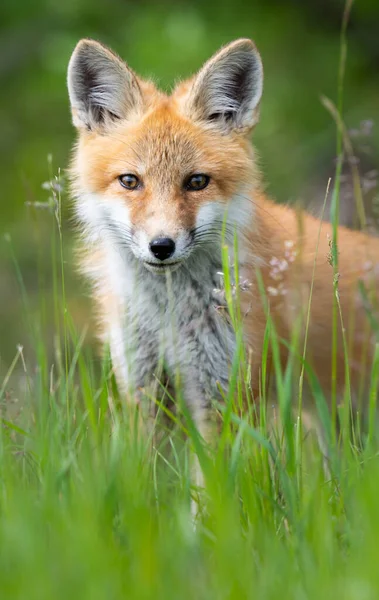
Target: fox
162 184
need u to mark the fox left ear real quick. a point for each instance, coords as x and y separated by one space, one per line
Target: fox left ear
102 88
227 90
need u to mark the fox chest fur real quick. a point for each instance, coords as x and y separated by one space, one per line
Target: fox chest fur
174 323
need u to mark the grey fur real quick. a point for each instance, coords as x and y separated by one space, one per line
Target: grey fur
178 319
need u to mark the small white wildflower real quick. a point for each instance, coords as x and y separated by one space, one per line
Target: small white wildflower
272 291
290 252
283 265
44 205
53 185
274 261
277 291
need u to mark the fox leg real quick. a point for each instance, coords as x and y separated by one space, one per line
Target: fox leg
137 373
201 415
202 420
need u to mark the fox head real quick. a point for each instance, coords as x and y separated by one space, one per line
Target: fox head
164 176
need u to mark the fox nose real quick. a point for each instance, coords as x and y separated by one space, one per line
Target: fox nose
162 248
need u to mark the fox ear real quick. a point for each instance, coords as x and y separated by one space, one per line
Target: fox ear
227 90
101 86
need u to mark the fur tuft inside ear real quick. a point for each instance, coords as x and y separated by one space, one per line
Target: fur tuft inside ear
227 90
101 86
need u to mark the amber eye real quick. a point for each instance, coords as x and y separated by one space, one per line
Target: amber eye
196 182
129 181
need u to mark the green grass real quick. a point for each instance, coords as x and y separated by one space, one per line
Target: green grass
90 510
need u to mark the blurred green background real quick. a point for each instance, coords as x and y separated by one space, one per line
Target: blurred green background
168 39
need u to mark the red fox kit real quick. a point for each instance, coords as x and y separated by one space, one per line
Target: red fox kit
160 183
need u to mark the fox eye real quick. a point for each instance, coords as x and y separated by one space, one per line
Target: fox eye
129 181
196 182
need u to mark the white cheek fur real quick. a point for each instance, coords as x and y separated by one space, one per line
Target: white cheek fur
118 212
209 213
237 213
92 211
89 214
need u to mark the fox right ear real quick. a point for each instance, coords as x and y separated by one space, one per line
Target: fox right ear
226 92
101 86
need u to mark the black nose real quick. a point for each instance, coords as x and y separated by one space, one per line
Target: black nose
162 248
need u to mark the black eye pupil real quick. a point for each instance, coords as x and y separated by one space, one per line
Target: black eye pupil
197 182
129 181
